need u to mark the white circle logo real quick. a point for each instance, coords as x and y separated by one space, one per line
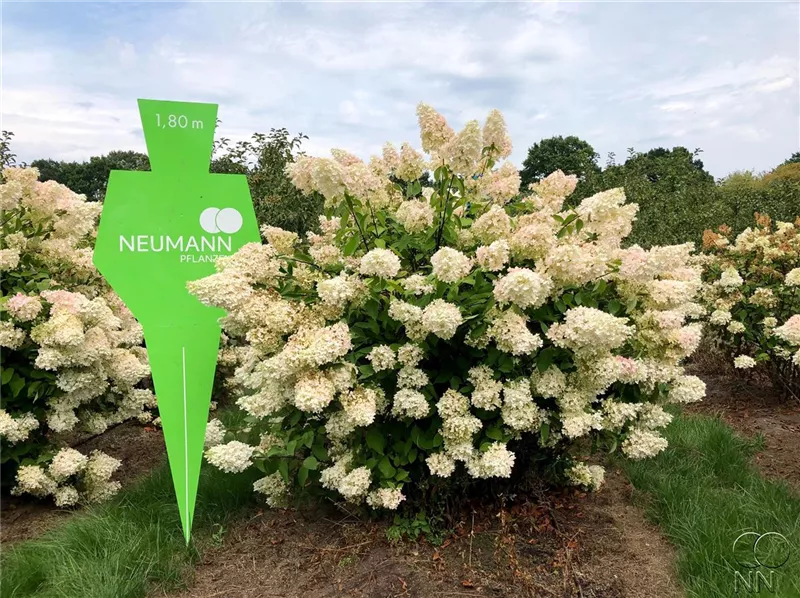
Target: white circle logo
226 220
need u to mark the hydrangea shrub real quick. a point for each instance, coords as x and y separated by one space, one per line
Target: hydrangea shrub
452 331
753 294
72 355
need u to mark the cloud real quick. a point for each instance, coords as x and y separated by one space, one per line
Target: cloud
722 77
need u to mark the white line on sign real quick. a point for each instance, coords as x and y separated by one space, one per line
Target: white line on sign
185 438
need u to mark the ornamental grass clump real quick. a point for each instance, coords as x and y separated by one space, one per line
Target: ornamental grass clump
454 331
752 292
72 355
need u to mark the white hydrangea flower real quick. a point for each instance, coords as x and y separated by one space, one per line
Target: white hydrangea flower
641 444
411 403
589 330
522 287
736 327
441 318
67 462
493 257
792 278
730 279
66 496
232 457
313 392
519 410
510 331
215 433
495 462
744 362
790 331
382 357
687 389
355 484
386 498
720 317
411 377
440 464
410 355
450 265
383 263
273 488
590 477
415 216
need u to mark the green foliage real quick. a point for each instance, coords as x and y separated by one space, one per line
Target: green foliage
571 155
264 159
90 178
414 527
7 157
675 194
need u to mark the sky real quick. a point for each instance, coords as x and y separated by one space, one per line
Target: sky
720 76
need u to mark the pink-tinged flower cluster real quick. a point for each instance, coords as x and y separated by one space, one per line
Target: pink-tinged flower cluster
751 295
86 367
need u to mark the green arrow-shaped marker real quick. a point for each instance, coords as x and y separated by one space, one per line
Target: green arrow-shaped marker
157 231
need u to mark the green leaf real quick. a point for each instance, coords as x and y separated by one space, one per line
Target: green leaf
386 468
376 440
351 245
16 385
544 432
7 374
495 433
283 468
310 463
319 452
401 475
380 243
545 359
302 475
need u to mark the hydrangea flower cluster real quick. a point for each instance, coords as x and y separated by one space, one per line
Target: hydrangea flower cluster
71 478
72 358
752 295
429 332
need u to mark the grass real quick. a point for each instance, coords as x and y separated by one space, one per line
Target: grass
129 546
704 492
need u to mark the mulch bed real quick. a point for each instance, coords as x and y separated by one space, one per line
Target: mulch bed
561 545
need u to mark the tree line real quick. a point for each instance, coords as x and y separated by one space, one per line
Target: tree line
678 198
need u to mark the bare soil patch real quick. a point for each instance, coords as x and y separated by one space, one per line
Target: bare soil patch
752 406
562 545
140 449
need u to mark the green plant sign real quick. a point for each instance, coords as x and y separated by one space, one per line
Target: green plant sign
158 230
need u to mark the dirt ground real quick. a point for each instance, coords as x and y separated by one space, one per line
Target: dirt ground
751 406
563 545
140 449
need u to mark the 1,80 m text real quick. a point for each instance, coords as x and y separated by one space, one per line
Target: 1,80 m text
177 121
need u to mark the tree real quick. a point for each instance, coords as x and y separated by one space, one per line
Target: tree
7 157
90 178
676 195
264 159
793 159
570 154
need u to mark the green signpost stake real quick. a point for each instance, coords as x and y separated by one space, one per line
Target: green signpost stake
158 230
